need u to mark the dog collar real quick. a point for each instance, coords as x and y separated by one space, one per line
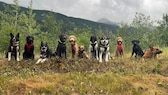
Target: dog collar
61 42
15 43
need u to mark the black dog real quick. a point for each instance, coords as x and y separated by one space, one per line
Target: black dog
61 47
45 53
136 49
93 48
14 47
29 48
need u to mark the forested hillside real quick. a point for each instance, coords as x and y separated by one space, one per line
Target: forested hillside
69 23
47 25
44 24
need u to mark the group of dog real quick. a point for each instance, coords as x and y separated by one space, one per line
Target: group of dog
98 49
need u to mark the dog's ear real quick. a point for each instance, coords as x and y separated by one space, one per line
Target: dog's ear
132 41
11 35
41 42
46 44
60 36
151 48
32 38
17 35
138 41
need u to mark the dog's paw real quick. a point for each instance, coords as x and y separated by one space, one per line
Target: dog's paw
18 60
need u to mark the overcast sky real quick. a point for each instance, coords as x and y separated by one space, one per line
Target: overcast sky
114 10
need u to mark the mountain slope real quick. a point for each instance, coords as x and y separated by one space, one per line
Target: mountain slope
106 21
70 23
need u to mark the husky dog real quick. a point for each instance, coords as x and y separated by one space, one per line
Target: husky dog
104 49
45 53
14 47
93 48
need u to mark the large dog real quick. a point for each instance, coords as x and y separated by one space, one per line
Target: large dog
29 48
14 47
45 53
82 53
74 46
93 48
152 52
119 49
136 49
61 47
104 49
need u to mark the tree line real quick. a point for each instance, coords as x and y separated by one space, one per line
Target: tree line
142 28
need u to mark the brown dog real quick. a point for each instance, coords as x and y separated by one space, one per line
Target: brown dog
74 46
120 49
82 53
151 53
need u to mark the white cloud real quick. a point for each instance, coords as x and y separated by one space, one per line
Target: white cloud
114 10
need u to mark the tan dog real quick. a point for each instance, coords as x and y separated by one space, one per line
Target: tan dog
82 53
151 53
74 46
119 49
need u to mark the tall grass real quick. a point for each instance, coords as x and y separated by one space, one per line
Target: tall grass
119 76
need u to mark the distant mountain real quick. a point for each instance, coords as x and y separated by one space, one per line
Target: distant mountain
106 21
69 23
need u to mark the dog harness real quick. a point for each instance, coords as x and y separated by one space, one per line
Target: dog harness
93 47
120 47
28 46
15 46
104 46
61 42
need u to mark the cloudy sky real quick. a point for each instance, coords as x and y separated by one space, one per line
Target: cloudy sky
114 10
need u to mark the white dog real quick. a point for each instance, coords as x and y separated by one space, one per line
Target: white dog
104 49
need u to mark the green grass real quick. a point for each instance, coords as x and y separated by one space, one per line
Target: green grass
120 76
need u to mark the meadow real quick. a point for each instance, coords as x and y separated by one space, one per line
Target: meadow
119 76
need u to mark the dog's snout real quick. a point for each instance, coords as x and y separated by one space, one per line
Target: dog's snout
159 52
43 48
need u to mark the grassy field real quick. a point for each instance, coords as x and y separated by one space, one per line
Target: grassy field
120 76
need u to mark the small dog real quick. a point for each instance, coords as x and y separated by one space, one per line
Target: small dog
45 53
29 48
82 53
74 46
152 52
120 49
136 49
93 48
104 49
61 48
14 47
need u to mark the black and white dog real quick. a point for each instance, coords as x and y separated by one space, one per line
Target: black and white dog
104 49
29 48
136 49
93 48
14 48
61 47
45 53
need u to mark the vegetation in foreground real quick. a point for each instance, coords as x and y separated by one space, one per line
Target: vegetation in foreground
120 76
